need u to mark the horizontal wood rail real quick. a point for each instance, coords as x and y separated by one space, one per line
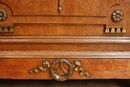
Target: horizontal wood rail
63 39
64 54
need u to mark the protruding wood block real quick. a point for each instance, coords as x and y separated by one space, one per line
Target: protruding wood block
107 30
6 29
124 30
118 30
113 30
11 29
0 29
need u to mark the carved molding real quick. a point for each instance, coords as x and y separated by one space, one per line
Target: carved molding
64 39
65 54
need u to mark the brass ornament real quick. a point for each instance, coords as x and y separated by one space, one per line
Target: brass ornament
117 16
59 6
77 64
61 67
54 72
3 15
42 68
80 69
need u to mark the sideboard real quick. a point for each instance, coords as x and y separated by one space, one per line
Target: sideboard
64 39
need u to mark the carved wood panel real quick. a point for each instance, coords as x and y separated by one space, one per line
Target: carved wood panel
32 7
68 7
87 7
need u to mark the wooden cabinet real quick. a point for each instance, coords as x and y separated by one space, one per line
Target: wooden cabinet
64 39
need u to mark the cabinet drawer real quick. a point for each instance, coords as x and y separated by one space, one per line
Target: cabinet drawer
24 65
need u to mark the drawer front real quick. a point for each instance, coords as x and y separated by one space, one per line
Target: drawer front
96 69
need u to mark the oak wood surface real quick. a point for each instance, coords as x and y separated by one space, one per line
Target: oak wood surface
65 25
64 47
76 33
50 7
64 54
99 69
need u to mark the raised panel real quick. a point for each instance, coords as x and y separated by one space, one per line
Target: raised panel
18 64
87 7
32 7
69 7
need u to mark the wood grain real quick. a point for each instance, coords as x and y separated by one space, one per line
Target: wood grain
85 18
99 69
127 2
50 7
76 33
64 47
63 39
64 54
32 7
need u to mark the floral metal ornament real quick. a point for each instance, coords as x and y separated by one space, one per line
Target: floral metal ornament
3 15
117 16
61 67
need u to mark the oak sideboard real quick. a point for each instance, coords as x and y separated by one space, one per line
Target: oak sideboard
64 39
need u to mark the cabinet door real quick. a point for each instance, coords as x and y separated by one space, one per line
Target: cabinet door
32 7
86 7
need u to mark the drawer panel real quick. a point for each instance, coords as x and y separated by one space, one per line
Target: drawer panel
98 68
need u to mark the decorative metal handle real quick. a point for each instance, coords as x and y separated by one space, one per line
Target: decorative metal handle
54 71
61 66
59 6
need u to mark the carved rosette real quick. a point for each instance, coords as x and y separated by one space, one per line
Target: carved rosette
117 16
55 71
3 15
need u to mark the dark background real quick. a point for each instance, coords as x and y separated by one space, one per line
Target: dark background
79 83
